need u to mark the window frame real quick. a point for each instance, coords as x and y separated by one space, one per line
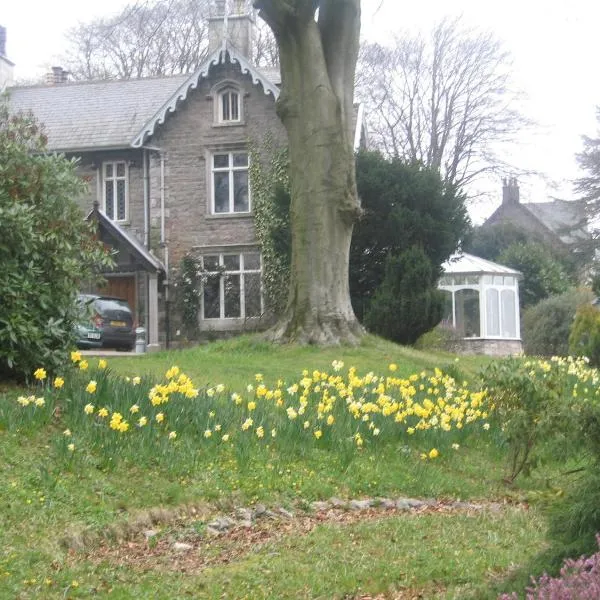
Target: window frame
231 170
229 91
114 178
218 92
222 273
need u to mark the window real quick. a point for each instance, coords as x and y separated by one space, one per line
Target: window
115 190
229 106
231 286
467 312
230 183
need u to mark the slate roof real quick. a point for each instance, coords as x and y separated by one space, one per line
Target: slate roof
101 114
567 219
468 264
125 113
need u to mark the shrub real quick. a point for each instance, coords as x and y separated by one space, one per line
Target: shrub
584 339
543 275
546 325
46 249
441 337
536 403
408 303
579 580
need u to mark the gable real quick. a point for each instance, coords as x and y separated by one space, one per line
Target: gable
193 81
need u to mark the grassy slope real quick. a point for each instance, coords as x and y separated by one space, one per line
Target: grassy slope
236 361
437 554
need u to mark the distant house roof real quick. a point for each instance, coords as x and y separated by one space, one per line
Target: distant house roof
467 264
567 219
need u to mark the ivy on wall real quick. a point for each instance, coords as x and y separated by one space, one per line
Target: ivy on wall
270 184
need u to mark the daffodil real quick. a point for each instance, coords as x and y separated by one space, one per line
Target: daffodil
39 402
136 380
160 417
172 435
102 364
40 374
142 421
58 382
88 409
103 412
83 365
75 356
91 387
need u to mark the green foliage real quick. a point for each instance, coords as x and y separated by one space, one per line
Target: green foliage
407 303
189 295
405 205
546 326
584 339
269 179
532 406
543 275
441 337
46 249
490 241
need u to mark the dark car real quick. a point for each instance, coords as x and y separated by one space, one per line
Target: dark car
106 322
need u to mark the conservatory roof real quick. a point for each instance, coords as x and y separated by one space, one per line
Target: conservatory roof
467 264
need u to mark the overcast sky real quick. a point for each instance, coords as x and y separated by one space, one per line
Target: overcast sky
553 44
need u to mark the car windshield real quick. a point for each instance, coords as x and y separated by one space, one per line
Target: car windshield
105 304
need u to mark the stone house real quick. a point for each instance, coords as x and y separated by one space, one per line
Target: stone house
166 164
561 224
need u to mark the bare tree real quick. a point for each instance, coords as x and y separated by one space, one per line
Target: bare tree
160 37
318 47
265 52
443 101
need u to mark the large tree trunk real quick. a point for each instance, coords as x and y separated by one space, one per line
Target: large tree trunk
318 61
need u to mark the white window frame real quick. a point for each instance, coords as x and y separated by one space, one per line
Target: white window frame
224 92
115 179
231 170
242 271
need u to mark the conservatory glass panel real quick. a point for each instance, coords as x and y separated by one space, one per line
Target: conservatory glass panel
467 313
492 311
509 314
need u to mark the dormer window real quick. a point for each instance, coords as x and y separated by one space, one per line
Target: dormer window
228 104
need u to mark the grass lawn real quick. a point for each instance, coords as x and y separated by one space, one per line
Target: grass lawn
75 521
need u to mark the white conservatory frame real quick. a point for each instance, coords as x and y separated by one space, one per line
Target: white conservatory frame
497 287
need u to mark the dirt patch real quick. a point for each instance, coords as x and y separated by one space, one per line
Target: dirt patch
187 547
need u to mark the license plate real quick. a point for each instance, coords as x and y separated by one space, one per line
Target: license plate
118 324
93 336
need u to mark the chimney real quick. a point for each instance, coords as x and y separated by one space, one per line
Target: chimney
57 76
510 191
231 25
6 66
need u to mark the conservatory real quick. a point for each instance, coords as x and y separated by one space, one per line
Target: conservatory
482 304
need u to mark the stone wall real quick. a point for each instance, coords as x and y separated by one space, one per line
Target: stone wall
489 347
